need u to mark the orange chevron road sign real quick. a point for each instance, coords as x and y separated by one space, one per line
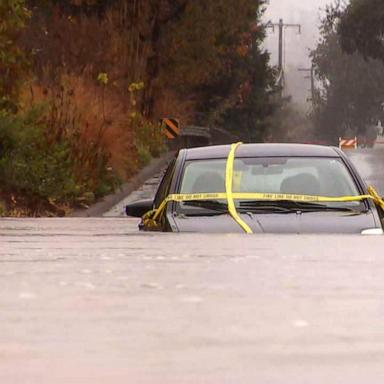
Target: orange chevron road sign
171 128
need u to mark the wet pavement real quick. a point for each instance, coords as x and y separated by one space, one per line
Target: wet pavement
94 301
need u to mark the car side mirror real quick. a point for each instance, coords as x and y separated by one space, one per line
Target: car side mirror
138 208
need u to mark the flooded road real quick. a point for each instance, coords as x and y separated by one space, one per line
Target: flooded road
93 301
90 301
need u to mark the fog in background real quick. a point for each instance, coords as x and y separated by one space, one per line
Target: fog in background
297 46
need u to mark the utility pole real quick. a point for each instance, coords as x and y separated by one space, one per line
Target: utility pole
281 28
281 25
311 76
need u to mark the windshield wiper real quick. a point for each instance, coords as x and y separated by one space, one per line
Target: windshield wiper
255 206
321 207
306 206
212 205
265 208
303 206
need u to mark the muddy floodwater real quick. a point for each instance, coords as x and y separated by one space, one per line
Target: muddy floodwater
93 301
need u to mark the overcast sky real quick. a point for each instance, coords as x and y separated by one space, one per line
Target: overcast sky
304 12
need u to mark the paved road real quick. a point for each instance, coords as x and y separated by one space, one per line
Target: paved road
146 191
93 301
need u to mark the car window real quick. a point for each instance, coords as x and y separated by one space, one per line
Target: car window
203 176
306 176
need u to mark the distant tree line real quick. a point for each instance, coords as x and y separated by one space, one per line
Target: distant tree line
349 66
203 56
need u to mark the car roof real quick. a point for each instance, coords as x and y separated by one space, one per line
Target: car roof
262 150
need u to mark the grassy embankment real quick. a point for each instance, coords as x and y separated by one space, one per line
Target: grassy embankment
66 148
72 126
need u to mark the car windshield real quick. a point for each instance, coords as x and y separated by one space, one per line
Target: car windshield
305 176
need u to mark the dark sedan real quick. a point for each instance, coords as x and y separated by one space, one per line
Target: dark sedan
276 188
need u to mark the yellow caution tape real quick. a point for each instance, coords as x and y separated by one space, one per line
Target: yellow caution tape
228 187
150 218
375 197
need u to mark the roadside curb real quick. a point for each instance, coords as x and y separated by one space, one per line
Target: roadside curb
107 202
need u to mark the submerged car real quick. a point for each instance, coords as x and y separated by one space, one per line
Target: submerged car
275 188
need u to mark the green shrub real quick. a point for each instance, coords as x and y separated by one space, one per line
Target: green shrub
148 142
34 166
30 164
3 208
144 156
13 64
147 135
